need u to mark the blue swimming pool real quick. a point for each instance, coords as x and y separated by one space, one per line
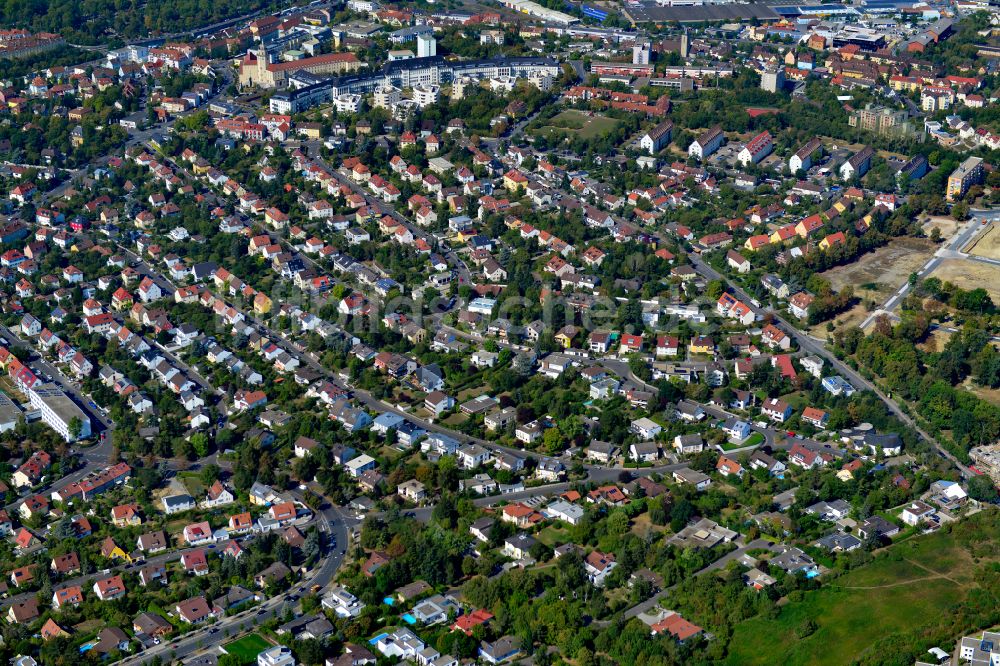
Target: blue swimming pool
409 619
378 638
812 573
389 601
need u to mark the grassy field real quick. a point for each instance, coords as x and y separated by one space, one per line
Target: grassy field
553 536
642 525
935 341
853 317
946 226
193 483
990 395
906 586
970 275
573 121
248 647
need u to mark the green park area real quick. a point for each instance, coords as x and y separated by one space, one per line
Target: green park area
905 591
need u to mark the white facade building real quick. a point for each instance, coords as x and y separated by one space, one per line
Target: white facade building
425 95
426 46
58 411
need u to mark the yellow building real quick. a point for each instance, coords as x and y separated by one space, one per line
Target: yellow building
566 336
783 234
702 345
968 173
261 304
513 181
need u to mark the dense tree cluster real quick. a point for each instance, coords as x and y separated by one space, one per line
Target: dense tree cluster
931 379
96 21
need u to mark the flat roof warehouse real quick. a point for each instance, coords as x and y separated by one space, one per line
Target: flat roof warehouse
532 8
697 14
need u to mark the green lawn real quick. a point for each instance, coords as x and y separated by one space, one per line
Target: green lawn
553 536
573 121
905 586
193 483
753 440
248 647
797 400
848 621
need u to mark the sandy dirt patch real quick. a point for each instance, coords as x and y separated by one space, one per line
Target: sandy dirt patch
987 244
970 275
885 269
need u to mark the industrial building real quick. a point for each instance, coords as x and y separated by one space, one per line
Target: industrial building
58 411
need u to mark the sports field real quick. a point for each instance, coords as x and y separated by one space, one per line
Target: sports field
248 647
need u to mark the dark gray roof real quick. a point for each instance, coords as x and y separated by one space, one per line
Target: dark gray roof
733 12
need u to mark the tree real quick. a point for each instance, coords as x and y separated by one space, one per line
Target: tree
982 489
714 289
312 549
552 440
522 365
680 514
209 474
200 444
540 552
986 366
63 529
196 121
309 651
806 628
75 427
444 511
448 472
618 522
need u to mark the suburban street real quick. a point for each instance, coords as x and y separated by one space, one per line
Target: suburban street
813 346
410 253
651 603
333 523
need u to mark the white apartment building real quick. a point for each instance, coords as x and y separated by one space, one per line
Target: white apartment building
58 411
426 94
